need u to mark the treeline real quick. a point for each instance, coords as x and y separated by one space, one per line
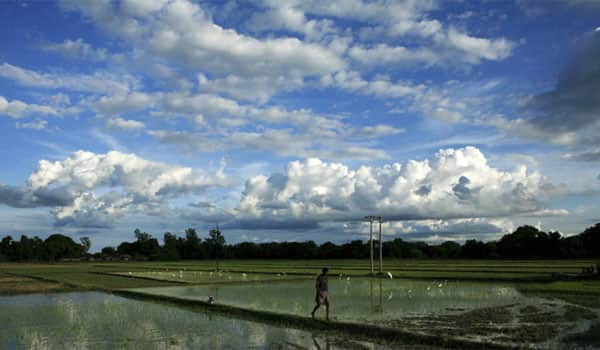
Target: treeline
526 242
55 247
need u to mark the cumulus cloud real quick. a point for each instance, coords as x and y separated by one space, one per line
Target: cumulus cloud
27 197
458 183
93 190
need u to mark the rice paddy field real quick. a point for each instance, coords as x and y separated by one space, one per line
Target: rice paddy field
266 304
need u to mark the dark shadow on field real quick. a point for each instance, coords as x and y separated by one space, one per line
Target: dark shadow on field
589 339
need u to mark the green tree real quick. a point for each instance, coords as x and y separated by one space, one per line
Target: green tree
216 242
192 248
109 251
146 245
170 247
58 246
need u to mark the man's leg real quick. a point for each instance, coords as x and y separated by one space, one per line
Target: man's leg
327 309
315 310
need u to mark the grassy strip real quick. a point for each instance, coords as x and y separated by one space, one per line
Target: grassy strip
208 282
89 281
120 274
15 285
365 331
45 279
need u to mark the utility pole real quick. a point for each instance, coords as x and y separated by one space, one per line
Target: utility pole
380 247
371 218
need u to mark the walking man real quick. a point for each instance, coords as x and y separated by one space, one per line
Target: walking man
322 290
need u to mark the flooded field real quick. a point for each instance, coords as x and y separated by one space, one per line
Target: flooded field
491 312
356 298
92 320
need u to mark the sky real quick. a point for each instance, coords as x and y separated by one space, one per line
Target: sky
288 120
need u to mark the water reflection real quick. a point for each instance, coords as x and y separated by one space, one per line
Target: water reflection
377 300
101 321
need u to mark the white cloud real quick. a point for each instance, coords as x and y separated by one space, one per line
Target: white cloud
448 49
376 131
385 21
476 49
124 124
281 15
405 17
182 32
549 213
100 82
456 184
19 109
38 124
93 190
121 103
382 54
259 89
77 49
446 115
380 86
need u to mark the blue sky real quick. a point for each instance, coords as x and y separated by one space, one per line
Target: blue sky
292 120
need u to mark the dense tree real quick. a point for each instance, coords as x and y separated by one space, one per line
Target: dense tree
192 245
524 243
170 250
109 251
145 245
591 241
216 243
58 246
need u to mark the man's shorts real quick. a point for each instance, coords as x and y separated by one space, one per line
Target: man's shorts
322 298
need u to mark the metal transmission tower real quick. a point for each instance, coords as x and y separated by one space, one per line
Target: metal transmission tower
371 218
